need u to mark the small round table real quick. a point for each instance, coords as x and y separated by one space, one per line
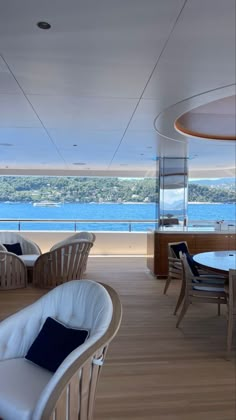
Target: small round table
217 260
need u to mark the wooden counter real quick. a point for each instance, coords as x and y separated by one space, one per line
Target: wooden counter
157 246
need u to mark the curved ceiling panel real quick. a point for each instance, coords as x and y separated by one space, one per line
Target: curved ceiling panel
199 105
214 120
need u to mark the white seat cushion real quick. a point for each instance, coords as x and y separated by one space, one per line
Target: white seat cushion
208 288
29 259
20 387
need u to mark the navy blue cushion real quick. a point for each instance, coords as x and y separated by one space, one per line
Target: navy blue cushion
192 265
14 248
53 344
181 247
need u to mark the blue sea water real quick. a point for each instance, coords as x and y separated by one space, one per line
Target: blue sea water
129 212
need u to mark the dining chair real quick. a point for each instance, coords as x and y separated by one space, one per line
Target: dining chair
61 265
174 263
230 290
13 273
197 289
175 270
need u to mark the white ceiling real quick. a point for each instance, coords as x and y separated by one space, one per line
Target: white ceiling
82 97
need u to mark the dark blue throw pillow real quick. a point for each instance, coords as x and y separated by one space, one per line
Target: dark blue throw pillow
54 343
181 247
14 248
192 265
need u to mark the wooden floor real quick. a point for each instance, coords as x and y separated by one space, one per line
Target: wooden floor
154 371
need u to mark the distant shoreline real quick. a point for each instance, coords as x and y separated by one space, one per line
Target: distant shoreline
204 202
111 202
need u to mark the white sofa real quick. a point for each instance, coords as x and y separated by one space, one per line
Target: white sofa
29 392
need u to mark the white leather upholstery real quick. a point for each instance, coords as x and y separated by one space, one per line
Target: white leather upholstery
27 246
78 303
20 391
29 259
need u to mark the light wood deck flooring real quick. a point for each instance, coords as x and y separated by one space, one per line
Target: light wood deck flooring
154 371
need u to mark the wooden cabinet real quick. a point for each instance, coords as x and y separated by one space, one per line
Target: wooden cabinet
232 241
157 246
210 242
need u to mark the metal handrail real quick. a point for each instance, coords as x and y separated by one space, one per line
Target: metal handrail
191 223
82 220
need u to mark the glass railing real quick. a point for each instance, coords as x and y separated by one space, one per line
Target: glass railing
77 225
203 225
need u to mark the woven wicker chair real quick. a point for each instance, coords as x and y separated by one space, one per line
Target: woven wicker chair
64 263
69 393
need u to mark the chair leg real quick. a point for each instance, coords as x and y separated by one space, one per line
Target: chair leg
180 298
229 332
168 280
182 313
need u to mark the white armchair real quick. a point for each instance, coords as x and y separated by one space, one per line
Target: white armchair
63 264
28 247
29 392
79 236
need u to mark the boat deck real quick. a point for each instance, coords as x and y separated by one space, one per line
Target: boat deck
154 371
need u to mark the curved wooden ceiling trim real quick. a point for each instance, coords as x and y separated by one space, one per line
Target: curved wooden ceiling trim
214 120
172 123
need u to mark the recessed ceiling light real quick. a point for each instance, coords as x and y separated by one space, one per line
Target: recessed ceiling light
75 145
6 144
43 25
79 163
149 147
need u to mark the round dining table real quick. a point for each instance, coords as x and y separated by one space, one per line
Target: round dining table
221 261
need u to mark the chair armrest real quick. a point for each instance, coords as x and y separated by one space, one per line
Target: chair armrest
3 248
31 247
210 273
199 280
212 277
